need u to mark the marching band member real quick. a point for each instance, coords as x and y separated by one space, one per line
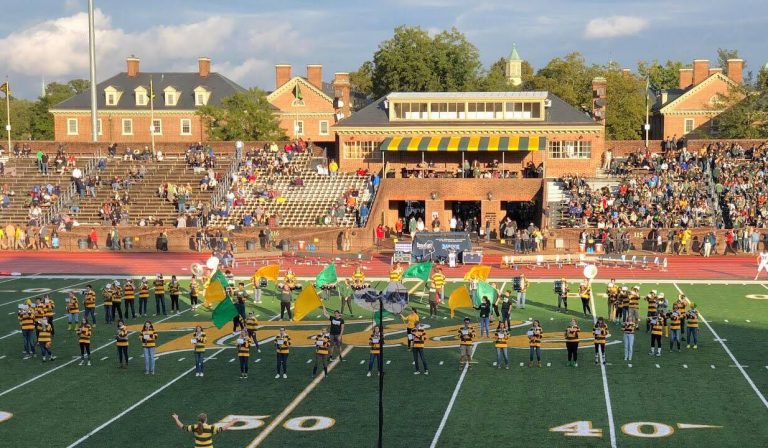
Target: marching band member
251 324
358 277
612 291
122 344
198 340
762 262
241 298
143 297
337 333
410 323
679 306
600 331
675 323
629 328
290 279
419 338
89 305
622 304
572 343
438 279
282 346
396 273
322 346
49 308
661 309
375 341
634 303
244 352
466 337
506 307
45 339
653 308
148 337
203 431
285 300
585 292
500 341
692 335
524 283
27 325
117 300
73 312
129 294
174 289
194 292
159 285
84 333
657 324
562 294
534 342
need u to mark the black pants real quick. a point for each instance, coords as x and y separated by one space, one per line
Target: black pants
116 309
282 363
655 341
122 353
85 347
143 305
585 306
419 353
285 307
252 335
432 309
193 300
129 303
244 364
496 310
573 351
320 359
160 303
174 302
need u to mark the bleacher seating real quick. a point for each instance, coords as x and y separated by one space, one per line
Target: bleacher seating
20 176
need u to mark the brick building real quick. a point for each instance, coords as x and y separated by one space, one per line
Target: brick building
691 110
123 104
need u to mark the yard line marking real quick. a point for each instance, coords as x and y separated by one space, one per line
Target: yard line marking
48 372
102 359
452 401
685 366
604 375
695 426
733 358
181 359
293 404
732 365
362 361
232 360
135 405
49 292
12 312
309 361
2 357
14 332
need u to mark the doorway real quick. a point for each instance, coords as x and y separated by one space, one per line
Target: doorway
523 213
467 214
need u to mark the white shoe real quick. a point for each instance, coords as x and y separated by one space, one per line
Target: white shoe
89 362
81 362
368 374
202 374
277 376
416 372
285 375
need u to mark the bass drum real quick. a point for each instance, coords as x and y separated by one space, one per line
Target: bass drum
517 283
559 287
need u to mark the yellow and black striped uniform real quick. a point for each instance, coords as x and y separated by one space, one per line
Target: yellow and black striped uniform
634 301
117 296
159 287
174 288
692 320
122 337
283 344
612 290
90 299
419 338
44 334
200 342
374 341
466 335
395 274
39 312
148 342
358 277
193 289
143 291
675 322
204 439
652 304
244 348
572 333
73 307
438 278
322 345
623 300
656 329
27 320
500 339
524 284
85 334
251 323
129 291
629 327
534 340
49 308
584 291
600 333
107 295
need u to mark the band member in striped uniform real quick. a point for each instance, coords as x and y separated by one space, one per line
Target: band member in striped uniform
675 323
534 342
283 348
358 277
143 297
572 343
159 285
121 339
84 334
653 310
506 307
73 312
89 305
438 279
148 337
396 273
117 300
45 339
202 430
657 326
198 341
106 295
501 341
692 333
174 289
290 279
49 306
634 303
622 304
244 343
194 292
600 332
585 292
466 339
419 338
629 329
129 294
680 304
322 346
251 324
375 341
612 291
27 325
433 298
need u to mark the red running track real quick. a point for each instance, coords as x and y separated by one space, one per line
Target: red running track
148 263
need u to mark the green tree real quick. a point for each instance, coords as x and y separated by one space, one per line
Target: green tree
665 76
625 111
569 77
41 121
746 112
495 79
20 119
242 116
455 61
361 80
723 54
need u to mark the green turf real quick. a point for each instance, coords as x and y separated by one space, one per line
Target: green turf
516 407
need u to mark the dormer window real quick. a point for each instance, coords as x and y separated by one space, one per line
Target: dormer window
111 96
171 96
142 99
202 95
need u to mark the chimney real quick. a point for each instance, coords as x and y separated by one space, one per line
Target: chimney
315 75
341 88
686 77
282 74
204 67
713 70
700 70
599 95
735 69
133 66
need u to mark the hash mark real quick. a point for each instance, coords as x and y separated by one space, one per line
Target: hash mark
232 360
389 361
712 365
362 361
257 360
181 359
309 361
658 366
104 358
685 366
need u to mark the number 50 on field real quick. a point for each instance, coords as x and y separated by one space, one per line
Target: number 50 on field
646 430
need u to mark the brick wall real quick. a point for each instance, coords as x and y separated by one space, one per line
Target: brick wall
112 131
315 109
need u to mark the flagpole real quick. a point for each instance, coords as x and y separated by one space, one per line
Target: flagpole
152 114
647 109
8 112
381 373
92 55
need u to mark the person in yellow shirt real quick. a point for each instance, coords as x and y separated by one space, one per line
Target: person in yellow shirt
322 348
410 323
148 337
202 430
534 342
73 312
438 280
419 339
244 343
198 341
27 323
396 273
252 324
45 339
466 340
122 344
572 343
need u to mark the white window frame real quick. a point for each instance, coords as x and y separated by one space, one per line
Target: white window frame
142 99
199 99
76 130
111 99
182 122
320 127
569 149
685 125
99 129
157 126
122 126
171 98
298 127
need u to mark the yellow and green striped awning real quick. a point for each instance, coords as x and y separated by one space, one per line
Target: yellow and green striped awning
453 144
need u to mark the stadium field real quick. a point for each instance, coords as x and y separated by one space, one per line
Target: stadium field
713 396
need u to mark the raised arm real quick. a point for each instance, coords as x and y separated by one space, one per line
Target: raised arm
179 424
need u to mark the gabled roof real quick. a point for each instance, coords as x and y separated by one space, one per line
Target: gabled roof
513 56
683 95
219 86
288 86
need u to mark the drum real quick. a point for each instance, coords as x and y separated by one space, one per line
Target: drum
559 287
360 286
517 283
262 282
328 287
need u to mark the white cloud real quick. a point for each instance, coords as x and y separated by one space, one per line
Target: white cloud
614 26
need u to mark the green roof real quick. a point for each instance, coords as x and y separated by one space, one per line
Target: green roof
513 56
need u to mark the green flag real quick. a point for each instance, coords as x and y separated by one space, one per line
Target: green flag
376 316
224 312
485 289
326 276
297 92
419 270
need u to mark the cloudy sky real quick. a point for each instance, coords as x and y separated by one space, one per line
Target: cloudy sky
246 38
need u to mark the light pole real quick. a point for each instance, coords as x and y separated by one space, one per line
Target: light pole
92 51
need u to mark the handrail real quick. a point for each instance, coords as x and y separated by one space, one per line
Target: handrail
66 196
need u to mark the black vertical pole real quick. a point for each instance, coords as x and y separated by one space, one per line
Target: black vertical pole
381 373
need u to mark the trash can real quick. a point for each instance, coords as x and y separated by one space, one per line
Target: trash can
250 245
599 248
127 243
55 242
302 245
82 243
285 245
582 247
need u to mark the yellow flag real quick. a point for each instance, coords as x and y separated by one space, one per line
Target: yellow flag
216 289
269 271
459 299
480 272
5 88
307 302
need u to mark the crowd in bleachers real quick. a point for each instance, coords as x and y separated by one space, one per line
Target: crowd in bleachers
740 184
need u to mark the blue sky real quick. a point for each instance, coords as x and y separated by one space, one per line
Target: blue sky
246 38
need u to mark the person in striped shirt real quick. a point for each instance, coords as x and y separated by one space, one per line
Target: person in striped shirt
534 342
106 295
282 347
143 297
501 341
375 341
692 334
148 342
322 346
84 333
572 343
251 324
73 312
45 339
244 343
396 273
674 322
27 324
198 341
117 300
89 304
174 289
194 292
159 285
49 307
202 430
419 338
657 326
600 332
438 279
466 340
628 329
129 293
121 339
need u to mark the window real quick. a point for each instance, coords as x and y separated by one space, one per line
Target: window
361 150
157 126
522 110
111 99
577 149
186 126
411 111
141 98
72 126
127 126
298 127
688 125
714 126
201 96
323 127
170 99
98 126
200 99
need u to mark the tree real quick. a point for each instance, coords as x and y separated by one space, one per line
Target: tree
723 54
569 78
495 79
625 111
662 77
242 116
455 61
20 119
746 112
362 79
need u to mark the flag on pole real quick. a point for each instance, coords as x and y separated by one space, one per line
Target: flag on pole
307 302
459 299
419 270
216 290
270 272
480 272
297 92
485 289
223 313
327 276
5 88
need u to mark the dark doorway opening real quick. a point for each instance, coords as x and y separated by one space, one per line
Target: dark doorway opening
467 214
523 213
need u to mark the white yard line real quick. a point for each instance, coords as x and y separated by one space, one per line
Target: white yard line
293 404
451 402
42 293
733 358
604 374
135 405
48 372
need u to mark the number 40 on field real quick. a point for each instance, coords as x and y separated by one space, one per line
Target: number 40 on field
647 430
